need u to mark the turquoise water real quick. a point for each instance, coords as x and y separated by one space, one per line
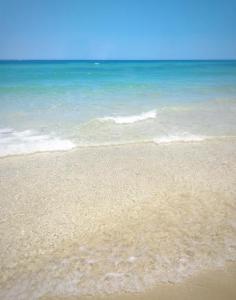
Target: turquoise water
58 105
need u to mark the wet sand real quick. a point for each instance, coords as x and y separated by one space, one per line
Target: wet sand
118 219
208 285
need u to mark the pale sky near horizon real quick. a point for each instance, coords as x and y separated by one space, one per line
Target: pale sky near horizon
117 29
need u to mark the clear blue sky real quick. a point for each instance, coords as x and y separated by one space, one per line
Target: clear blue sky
117 29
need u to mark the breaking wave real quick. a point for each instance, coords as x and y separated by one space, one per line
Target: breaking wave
131 119
28 141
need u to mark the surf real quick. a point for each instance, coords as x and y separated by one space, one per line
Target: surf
132 118
14 142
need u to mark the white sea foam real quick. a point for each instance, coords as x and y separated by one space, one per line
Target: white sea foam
28 141
175 138
5 130
131 119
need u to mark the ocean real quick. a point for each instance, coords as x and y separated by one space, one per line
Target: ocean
60 105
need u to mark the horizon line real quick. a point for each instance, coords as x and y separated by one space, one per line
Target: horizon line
94 59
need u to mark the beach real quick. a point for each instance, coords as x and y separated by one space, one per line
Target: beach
117 150
143 221
117 179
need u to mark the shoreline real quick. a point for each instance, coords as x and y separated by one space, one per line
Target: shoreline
55 204
209 284
78 148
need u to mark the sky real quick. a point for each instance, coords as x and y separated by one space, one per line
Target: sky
117 29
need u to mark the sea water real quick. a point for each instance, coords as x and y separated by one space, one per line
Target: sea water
60 105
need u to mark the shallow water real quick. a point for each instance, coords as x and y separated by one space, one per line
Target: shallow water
81 103
115 219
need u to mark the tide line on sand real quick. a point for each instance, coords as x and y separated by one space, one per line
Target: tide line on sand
175 138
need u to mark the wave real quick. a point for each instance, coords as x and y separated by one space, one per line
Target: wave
184 137
28 141
131 119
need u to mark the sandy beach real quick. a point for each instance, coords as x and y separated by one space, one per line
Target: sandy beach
117 150
145 221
